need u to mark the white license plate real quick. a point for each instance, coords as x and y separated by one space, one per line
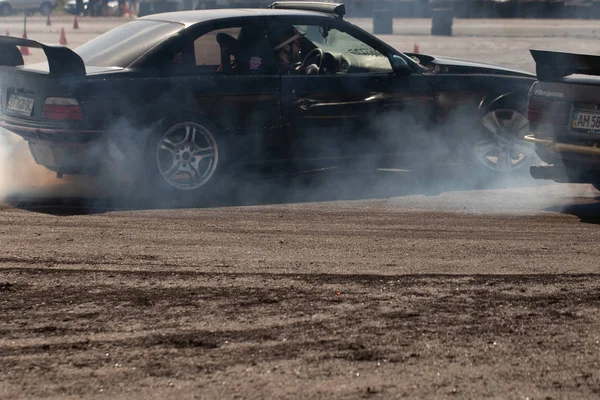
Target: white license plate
20 105
585 120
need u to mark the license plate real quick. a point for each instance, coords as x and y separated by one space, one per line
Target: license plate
585 120
20 105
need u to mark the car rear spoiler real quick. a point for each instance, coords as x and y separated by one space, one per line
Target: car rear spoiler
62 61
338 9
551 65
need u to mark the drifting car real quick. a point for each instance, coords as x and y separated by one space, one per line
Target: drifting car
188 98
564 111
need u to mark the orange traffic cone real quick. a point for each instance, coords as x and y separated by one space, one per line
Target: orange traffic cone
75 23
63 38
416 48
25 50
48 22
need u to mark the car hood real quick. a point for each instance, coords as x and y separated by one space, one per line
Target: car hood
457 66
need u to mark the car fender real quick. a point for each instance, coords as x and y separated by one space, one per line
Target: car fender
184 115
490 101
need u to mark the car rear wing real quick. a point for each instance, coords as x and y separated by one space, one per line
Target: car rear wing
551 65
338 9
62 61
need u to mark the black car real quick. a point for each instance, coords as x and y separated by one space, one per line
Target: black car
184 100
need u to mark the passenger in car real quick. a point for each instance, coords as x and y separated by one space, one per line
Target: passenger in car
251 52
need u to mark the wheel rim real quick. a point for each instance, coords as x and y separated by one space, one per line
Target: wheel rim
504 150
187 156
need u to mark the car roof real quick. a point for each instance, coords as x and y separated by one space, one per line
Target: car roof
197 16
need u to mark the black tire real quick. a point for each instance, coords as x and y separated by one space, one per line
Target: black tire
180 171
499 147
46 9
5 9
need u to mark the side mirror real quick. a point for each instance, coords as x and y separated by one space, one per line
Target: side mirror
400 66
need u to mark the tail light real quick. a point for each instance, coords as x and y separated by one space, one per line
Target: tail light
547 111
62 109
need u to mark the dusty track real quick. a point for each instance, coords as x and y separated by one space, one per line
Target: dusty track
451 294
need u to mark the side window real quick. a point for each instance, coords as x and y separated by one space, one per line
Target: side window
207 51
342 52
242 50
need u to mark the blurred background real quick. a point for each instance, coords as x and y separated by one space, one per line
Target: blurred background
580 9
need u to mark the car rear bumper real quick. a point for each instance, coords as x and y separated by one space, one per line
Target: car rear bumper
55 133
64 150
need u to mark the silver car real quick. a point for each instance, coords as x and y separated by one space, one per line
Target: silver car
45 7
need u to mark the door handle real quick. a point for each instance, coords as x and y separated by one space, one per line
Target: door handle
305 103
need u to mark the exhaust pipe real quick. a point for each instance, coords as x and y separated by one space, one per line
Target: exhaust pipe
550 172
563 147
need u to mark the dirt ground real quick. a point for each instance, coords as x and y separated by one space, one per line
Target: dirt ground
330 286
389 293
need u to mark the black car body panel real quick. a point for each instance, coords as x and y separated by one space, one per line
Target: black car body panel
443 65
271 117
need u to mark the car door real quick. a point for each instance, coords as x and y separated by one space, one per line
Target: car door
238 92
356 105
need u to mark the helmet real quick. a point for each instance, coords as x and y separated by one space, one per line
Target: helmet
282 36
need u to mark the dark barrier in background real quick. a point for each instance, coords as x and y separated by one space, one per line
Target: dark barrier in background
147 8
378 9
442 16
383 14
582 9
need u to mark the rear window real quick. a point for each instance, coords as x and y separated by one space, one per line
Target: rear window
123 45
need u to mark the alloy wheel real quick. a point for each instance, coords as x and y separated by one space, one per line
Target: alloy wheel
187 156
504 150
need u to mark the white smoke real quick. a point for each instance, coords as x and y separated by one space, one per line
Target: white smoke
19 174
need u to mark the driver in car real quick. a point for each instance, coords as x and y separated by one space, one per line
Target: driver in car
286 45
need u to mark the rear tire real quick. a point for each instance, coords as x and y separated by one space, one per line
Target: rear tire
185 161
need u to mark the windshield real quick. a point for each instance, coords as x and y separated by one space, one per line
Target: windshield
121 46
330 39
